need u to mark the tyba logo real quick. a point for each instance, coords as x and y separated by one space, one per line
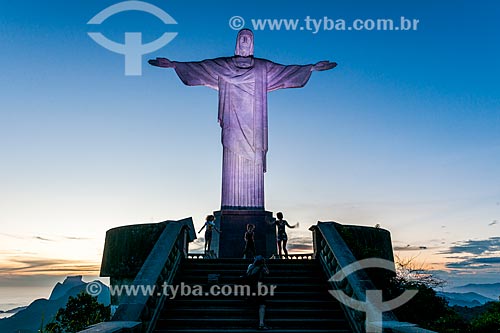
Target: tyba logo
373 305
133 49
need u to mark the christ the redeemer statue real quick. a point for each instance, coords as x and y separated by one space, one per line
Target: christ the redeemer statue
243 83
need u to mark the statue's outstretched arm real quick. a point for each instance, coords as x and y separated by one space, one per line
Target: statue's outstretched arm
323 66
162 62
194 73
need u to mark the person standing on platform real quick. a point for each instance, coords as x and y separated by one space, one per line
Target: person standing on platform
282 237
249 251
209 225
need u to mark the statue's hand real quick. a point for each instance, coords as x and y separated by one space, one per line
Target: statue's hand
324 65
161 62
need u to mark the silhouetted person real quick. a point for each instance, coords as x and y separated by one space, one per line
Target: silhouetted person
282 237
209 225
249 251
255 275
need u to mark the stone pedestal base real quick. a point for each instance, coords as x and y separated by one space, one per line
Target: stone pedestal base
232 224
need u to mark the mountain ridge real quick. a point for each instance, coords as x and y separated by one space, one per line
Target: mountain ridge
43 310
489 290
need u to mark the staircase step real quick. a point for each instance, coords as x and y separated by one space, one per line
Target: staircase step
202 279
284 295
303 323
249 312
281 303
276 270
301 302
250 330
281 281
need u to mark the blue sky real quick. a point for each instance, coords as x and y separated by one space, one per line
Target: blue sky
405 132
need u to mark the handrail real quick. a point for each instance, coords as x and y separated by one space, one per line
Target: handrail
334 255
158 270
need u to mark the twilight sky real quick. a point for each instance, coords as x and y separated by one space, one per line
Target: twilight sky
404 133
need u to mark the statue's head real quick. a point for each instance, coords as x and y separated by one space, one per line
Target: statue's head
244 43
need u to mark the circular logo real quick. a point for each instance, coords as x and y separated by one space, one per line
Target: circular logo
373 305
94 288
236 22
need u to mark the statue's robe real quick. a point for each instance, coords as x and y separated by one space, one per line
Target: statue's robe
243 84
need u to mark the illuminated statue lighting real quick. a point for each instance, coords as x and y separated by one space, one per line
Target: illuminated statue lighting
243 83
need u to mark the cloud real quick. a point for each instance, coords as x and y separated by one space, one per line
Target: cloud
40 280
11 236
197 245
411 248
300 247
299 244
489 260
30 265
455 278
43 239
475 247
76 238
17 252
493 223
19 280
474 255
475 263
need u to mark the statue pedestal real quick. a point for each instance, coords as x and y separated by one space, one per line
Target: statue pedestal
232 224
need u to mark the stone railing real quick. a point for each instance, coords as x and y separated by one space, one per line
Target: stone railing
305 256
295 256
196 256
334 255
139 313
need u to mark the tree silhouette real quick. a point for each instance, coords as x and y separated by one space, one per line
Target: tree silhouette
489 321
80 312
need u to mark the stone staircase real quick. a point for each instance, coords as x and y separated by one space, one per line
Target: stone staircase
157 254
301 302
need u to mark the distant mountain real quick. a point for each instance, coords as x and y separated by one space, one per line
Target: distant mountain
464 299
491 290
29 319
62 288
15 310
